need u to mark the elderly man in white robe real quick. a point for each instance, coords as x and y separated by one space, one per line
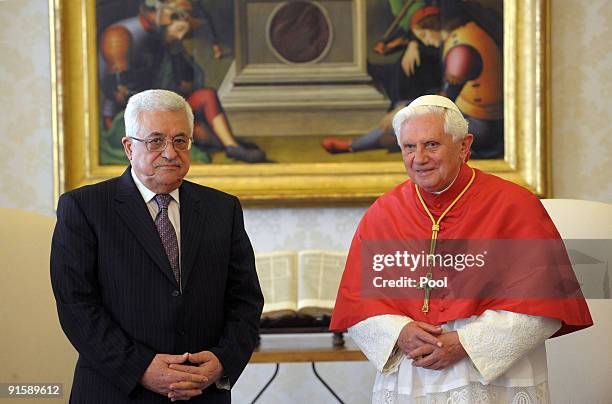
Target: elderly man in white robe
489 353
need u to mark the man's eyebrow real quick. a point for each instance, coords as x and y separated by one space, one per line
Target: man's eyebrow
421 142
155 134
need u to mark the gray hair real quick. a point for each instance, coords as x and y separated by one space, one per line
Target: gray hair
454 123
154 100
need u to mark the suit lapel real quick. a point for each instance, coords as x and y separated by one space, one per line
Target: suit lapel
192 226
130 206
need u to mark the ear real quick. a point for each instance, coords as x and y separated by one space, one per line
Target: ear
464 147
127 147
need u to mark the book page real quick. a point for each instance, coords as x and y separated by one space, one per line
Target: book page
277 274
319 274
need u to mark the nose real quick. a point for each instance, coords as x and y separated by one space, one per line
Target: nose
169 151
420 155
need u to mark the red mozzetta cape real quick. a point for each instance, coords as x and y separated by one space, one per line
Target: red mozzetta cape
491 209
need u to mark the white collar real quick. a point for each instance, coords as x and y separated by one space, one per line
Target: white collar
147 194
449 185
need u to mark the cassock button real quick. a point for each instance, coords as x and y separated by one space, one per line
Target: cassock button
437 205
175 293
181 332
442 308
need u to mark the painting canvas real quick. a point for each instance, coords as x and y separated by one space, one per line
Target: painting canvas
413 48
293 99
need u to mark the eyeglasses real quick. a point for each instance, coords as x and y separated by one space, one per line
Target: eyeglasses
157 144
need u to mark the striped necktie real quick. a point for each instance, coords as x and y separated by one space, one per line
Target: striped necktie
167 233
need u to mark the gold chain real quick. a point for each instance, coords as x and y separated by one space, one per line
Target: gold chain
435 228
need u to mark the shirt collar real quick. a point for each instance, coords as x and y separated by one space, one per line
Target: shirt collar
449 185
438 202
147 194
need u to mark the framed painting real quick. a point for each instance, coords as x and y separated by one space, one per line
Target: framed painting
292 98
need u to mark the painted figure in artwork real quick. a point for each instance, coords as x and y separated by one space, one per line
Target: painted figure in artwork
147 51
417 71
469 39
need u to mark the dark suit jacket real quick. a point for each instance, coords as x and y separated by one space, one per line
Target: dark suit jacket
118 301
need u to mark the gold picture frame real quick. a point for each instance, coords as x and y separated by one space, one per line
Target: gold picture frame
526 115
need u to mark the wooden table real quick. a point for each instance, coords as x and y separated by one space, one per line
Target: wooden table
299 348
305 348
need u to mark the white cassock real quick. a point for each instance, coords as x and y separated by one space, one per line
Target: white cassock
506 361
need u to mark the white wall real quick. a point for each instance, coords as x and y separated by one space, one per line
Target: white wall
581 160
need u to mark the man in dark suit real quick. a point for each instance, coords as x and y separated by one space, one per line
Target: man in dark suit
154 276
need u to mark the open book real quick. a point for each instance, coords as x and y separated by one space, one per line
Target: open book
303 283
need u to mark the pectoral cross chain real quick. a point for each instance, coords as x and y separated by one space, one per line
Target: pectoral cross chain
428 290
435 228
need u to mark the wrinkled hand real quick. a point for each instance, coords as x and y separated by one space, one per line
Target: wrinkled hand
206 365
433 357
417 334
411 58
159 376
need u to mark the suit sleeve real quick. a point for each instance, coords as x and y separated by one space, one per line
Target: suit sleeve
243 303
87 324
